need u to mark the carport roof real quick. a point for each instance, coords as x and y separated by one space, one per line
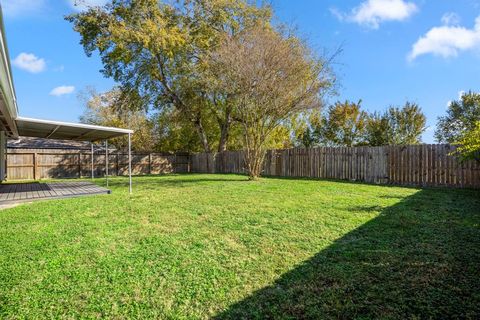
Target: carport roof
29 127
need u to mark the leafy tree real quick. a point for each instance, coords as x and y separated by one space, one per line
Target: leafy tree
158 50
288 133
469 144
162 131
396 126
308 138
462 116
106 109
270 78
377 131
406 125
343 125
306 134
173 133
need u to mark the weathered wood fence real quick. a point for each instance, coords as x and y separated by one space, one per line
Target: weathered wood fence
32 164
419 165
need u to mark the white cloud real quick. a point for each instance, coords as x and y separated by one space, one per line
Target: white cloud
446 41
29 62
338 14
62 90
85 4
372 13
451 19
21 7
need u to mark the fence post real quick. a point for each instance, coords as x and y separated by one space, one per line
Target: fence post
150 163
35 166
117 169
80 164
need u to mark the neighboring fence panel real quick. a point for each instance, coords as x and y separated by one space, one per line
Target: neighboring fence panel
30 164
21 165
418 165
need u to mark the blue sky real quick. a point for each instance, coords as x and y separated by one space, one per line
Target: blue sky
425 51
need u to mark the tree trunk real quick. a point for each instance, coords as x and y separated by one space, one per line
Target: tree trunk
224 130
224 135
202 134
255 160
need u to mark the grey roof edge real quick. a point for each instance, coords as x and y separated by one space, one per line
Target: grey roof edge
75 125
7 88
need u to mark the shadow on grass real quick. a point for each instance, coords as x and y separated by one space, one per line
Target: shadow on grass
418 259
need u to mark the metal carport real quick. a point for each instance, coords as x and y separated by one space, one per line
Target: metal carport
48 129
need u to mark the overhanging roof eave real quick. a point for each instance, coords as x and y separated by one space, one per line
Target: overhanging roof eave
50 129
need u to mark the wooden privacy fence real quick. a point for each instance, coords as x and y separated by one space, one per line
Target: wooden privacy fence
418 165
32 164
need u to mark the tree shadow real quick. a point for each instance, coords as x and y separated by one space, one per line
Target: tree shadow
60 166
418 259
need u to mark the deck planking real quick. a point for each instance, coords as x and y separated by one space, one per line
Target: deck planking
25 192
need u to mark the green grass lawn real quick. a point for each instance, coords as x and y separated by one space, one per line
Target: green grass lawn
202 246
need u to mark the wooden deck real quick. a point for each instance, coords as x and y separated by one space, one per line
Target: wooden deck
26 192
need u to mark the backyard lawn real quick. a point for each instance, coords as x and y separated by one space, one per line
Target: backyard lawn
219 246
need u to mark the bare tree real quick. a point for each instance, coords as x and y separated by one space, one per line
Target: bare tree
268 77
109 109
